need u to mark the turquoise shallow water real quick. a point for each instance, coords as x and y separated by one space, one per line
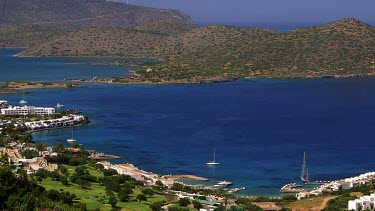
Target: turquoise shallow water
259 128
53 69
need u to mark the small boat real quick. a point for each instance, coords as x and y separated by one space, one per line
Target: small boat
58 105
213 162
23 101
224 182
71 139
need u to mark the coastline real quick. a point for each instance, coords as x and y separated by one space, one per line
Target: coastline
186 176
130 81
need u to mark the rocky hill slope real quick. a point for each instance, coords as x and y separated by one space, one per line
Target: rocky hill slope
343 48
77 14
30 22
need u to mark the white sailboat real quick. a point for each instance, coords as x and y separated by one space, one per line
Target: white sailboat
213 162
23 101
71 139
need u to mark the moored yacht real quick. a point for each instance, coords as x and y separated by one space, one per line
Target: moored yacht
213 162
71 139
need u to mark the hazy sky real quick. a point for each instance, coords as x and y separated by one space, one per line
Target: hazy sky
268 10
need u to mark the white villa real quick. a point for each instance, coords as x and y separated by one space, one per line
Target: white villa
363 203
25 110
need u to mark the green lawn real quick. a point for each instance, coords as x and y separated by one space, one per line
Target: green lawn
93 171
95 196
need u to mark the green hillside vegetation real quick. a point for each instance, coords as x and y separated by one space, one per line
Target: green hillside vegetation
26 36
96 196
344 48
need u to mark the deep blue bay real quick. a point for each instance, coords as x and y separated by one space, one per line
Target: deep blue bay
259 128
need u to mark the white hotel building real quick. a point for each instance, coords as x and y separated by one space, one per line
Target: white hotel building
25 110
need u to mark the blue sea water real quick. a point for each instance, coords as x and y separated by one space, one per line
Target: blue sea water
260 128
53 69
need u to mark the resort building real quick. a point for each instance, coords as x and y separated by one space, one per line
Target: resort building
363 203
26 110
65 121
342 184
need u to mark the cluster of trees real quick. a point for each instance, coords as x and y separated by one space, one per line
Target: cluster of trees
69 157
11 133
246 204
22 193
82 177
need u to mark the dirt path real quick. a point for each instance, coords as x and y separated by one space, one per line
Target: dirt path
325 200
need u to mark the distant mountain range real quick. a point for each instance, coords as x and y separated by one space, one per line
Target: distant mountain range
343 48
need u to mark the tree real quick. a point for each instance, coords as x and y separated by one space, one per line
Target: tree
177 187
63 180
184 202
98 166
202 197
75 144
160 186
74 162
197 205
113 186
148 192
123 196
170 196
129 187
63 169
141 197
187 189
156 206
83 183
4 158
220 208
80 170
109 172
112 201
59 148
43 173
40 146
109 193
173 208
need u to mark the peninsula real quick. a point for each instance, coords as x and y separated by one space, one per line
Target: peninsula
214 53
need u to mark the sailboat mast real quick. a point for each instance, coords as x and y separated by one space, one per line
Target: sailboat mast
303 171
307 175
214 154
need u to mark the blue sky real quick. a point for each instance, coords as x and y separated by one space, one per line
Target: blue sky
271 11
